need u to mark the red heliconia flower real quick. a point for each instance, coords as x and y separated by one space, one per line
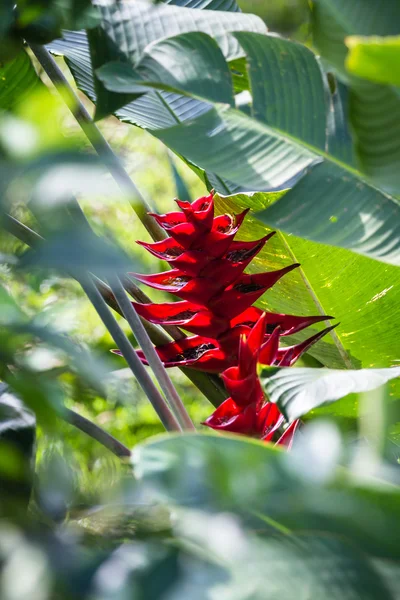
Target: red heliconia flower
231 336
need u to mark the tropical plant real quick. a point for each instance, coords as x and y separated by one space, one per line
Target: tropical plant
291 145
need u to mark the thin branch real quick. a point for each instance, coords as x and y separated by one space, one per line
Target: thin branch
98 141
159 404
95 432
20 231
151 355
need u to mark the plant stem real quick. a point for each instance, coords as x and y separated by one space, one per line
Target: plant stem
151 355
97 140
160 406
95 432
22 232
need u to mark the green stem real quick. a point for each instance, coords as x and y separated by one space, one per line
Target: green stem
151 355
95 432
97 140
159 404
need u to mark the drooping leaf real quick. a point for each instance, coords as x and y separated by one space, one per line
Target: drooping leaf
151 111
374 58
297 391
171 63
374 109
126 29
258 157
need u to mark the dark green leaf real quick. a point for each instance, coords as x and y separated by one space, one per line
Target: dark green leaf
182 191
101 49
18 79
153 110
135 24
185 63
351 214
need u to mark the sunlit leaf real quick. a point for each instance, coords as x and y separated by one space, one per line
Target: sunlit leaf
374 58
297 391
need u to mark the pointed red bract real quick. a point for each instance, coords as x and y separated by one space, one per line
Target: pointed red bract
246 290
287 356
191 317
200 353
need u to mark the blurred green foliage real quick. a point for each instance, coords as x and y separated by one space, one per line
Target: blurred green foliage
289 17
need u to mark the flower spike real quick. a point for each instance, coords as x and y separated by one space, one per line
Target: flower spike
232 337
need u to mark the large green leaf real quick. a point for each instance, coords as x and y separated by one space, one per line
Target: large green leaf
374 109
18 79
134 24
153 110
297 391
362 294
267 488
